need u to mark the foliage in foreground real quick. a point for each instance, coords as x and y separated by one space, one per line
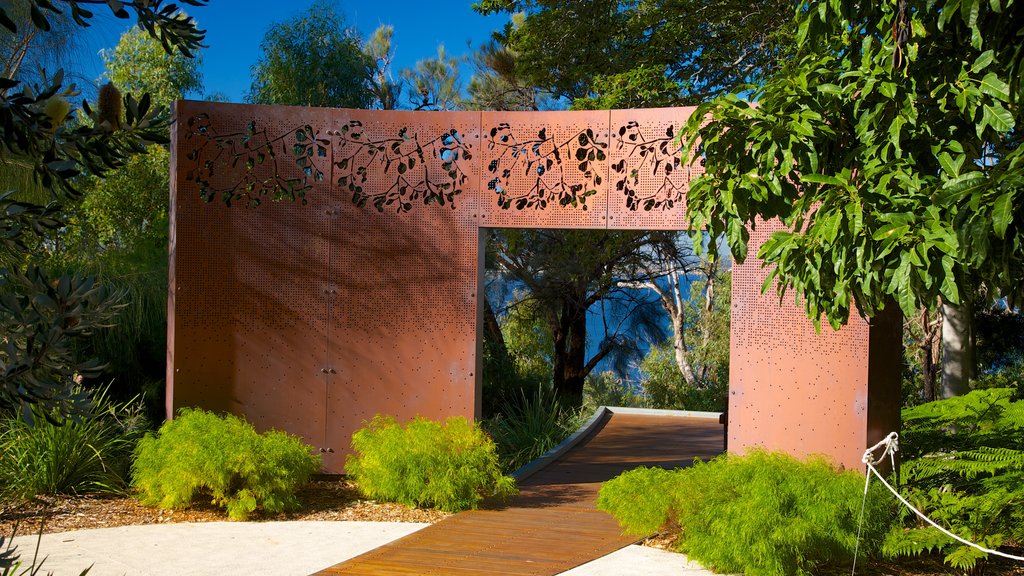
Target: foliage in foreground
202 454
41 313
964 468
54 455
13 564
451 466
761 514
529 425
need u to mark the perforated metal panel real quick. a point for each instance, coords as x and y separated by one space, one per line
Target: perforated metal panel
648 182
544 170
249 333
403 323
792 387
357 295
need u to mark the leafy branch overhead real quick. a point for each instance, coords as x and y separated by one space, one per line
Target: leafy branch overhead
41 314
161 19
891 159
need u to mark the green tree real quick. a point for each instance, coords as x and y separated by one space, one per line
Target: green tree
313 59
434 83
498 82
26 50
121 226
565 273
887 149
385 89
140 65
706 341
697 48
40 314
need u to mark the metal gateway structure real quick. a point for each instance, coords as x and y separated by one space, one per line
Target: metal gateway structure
359 293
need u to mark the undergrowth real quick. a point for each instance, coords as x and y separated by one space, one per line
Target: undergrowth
201 454
59 455
451 466
964 468
764 513
529 425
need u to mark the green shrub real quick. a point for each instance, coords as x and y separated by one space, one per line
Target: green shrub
451 466
606 389
55 455
641 499
529 425
202 454
964 468
760 514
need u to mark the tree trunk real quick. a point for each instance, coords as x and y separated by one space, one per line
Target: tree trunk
679 347
570 368
957 348
929 345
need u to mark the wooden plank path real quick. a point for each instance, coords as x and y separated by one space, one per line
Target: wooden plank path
553 525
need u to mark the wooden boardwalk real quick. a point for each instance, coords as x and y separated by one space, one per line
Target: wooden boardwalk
553 524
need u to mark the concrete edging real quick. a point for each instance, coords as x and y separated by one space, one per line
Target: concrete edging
660 412
531 468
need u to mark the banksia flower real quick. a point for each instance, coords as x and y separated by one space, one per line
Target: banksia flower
108 108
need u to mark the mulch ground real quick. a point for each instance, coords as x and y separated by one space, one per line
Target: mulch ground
324 499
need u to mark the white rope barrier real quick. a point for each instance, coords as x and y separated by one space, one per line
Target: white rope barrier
891 446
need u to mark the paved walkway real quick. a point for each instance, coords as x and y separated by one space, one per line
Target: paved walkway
553 525
271 548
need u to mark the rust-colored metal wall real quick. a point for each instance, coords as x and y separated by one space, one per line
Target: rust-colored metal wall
793 388
360 296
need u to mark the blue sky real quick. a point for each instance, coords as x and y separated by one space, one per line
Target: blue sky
235 28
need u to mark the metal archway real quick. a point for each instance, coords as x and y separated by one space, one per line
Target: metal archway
360 296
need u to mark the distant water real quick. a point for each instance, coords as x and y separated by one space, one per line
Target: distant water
618 315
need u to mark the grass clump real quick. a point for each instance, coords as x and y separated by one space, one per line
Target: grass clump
450 466
762 514
529 425
201 454
58 455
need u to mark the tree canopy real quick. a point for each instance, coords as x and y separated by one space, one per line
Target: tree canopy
313 59
887 147
140 65
689 49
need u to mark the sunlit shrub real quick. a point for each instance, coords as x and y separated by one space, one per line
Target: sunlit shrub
451 466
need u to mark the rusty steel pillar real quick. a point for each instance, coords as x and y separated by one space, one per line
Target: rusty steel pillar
795 389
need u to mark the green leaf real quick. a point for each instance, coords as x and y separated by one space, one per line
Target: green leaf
969 12
993 86
949 288
997 117
982 61
821 179
1002 214
950 165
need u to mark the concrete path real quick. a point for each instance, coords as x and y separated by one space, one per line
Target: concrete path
271 548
